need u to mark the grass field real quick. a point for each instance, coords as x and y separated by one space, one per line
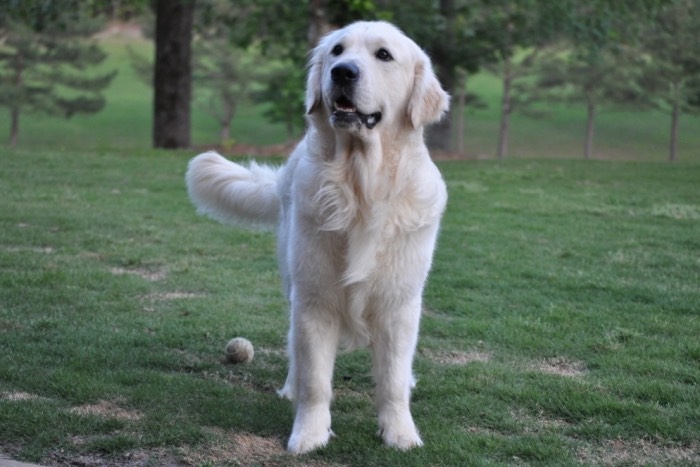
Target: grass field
561 322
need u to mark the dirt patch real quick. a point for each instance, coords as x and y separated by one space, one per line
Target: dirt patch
538 423
528 424
456 357
165 296
480 430
677 211
119 29
639 452
234 448
562 366
9 326
47 250
19 396
229 448
136 458
107 409
92 255
147 274
188 359
256 447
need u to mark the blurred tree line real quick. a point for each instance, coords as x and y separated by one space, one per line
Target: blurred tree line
45 61
634 53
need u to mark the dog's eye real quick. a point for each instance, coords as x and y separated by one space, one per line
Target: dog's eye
384 55
337 50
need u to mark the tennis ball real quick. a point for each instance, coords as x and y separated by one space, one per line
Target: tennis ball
239 350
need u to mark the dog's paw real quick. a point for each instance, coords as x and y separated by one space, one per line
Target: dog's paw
301 443
400 432
312 430
401 439
287 392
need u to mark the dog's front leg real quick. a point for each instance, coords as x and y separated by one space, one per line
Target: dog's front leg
393 345
313 346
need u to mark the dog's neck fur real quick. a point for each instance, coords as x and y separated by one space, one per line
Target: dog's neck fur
362 172
377 150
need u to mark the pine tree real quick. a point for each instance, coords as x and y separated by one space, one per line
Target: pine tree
595 77
223 76
45 61
671 75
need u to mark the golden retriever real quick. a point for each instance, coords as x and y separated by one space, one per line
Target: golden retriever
357 208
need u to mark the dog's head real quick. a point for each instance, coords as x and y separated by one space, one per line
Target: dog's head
370 74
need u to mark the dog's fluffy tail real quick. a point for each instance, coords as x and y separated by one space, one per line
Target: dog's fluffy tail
232 193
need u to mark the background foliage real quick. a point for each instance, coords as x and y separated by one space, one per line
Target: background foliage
464 37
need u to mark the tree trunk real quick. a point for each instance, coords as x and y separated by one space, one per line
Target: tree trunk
290 130
172 81
14 126
439 135
15 109
224 132
590 130
506 108
318 22
461 105
225 120
675 115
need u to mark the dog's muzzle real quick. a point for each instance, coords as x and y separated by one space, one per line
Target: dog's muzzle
345 114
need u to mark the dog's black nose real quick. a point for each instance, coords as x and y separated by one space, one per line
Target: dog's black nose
345 73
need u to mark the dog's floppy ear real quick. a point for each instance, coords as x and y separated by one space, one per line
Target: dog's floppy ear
313 80
428 100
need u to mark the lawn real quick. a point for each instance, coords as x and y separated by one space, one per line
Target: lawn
561 320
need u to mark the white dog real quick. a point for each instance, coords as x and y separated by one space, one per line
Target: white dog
357 208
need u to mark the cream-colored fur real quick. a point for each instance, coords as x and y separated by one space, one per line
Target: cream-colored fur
357 208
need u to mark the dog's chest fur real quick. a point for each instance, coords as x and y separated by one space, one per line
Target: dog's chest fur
375 205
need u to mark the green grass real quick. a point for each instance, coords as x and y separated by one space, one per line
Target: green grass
561 325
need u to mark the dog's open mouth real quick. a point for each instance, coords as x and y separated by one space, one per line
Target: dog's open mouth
345 114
